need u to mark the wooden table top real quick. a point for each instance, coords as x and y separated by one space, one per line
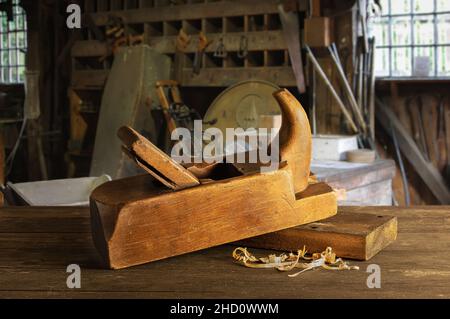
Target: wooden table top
37 244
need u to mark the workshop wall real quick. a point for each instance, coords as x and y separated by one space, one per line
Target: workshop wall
422 107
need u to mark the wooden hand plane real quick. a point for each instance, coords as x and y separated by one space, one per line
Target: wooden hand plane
135 221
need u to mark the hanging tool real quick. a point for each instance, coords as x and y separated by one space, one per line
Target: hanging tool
220 51
176 113
371 100
117 37
327 82
203 43
348 90
362 20
181 43
243 47
291 33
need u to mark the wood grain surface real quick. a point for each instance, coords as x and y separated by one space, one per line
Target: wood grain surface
144 224
351 235
37 244
154 161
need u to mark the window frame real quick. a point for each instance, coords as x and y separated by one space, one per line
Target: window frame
17 48
434 72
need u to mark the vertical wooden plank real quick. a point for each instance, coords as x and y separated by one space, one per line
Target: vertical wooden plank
89 6
399 107
33 63
315 8
116 4
429 116
447 136
102 5
2 161
145 3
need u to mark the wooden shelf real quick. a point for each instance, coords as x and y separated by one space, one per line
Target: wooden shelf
194 10
223 77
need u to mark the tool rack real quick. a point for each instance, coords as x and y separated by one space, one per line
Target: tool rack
231 22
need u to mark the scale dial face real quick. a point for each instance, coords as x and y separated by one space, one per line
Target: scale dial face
248 110
242 105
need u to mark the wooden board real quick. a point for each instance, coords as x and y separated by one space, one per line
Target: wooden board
38 243
351 235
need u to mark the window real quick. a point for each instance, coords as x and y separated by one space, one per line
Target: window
413 38
13 41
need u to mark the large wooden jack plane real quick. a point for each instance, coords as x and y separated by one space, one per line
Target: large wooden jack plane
135 220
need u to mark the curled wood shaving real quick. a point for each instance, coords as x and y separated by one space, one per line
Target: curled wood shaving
287 262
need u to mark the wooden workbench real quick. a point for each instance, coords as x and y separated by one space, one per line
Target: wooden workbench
36 246
365 184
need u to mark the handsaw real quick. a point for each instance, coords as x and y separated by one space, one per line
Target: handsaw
203 43
291 29
181 43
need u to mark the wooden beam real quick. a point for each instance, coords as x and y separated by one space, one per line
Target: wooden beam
89 79
194 11
424 168
283 76
257 41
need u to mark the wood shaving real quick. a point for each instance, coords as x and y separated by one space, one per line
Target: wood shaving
287 262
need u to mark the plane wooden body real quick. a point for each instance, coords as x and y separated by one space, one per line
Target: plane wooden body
135 220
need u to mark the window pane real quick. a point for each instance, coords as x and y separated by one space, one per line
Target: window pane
443 5
21 39
2 74
443 60
424 30
382 62
13 43
401 31
400 6
13 24
20 22
4 24
4 58
401 61
12 57
423 6
424 61
21 74
14 77
12 40
381 31
443 26
384 7
3 41
21 58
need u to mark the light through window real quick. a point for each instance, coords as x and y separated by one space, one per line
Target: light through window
413 38
13 41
